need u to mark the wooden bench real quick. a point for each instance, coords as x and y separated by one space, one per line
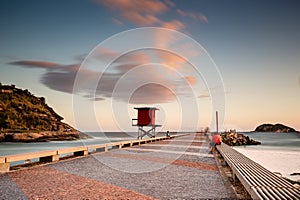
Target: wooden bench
257 180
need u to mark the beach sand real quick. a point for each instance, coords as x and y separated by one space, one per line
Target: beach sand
284 162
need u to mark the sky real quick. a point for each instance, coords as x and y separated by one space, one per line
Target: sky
95 60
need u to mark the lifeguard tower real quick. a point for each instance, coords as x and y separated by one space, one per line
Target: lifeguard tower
145 118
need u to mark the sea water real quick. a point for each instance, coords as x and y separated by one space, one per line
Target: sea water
9 148
275 141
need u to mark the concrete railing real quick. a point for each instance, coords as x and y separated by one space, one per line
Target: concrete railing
55 155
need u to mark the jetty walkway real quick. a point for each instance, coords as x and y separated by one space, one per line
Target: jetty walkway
179 168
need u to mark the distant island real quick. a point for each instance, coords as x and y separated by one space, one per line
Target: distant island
26 118
279 128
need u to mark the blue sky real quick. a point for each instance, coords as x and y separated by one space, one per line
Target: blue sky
254 44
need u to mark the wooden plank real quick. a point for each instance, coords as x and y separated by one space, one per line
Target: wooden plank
72 150
143 141
4 167
114 144
133 142
2 159
96 146
25 156
125 144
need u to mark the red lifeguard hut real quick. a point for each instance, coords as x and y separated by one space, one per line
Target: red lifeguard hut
146 118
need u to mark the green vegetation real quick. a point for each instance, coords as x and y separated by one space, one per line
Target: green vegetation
20 111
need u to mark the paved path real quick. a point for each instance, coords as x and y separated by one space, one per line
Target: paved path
176 169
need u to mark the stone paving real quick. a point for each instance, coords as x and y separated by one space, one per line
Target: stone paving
157 170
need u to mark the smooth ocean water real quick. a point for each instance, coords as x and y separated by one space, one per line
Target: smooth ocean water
10 148
271 141
274 141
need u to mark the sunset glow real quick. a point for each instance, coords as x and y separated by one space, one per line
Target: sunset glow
94 61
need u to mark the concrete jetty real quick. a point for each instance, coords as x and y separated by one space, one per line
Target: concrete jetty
179 168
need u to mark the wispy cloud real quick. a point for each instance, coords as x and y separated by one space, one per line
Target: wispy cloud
171 60
141 13
193 15
160 86
170 3
148 94
174 24
153 13
149 13
152 86
219 90
191 80
37 64
117 21
57 76
203 18
204 96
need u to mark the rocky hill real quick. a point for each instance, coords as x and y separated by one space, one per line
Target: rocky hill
26 118
274 128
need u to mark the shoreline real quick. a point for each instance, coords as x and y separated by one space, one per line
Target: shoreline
42 136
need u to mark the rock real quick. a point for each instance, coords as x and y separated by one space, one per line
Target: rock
2 137
236 139
279 128
295 174
42 136
27 118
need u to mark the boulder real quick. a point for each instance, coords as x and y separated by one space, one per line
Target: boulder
2 137
237 139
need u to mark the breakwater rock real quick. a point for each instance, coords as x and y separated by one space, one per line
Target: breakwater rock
237 139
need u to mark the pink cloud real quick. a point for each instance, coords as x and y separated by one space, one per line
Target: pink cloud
174 24
105 54
203 96
170 59
203 18
192 15
143 13
191 80
151 94
138 12
130 70
181 12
